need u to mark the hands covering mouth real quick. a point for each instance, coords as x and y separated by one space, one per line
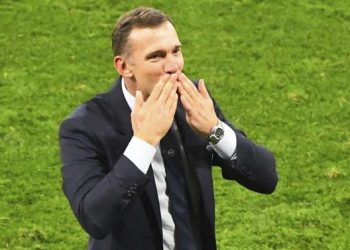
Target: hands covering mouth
151 119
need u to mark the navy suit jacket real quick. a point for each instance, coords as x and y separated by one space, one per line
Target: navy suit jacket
115 203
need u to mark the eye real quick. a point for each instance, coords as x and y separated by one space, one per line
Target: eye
176 50
154 58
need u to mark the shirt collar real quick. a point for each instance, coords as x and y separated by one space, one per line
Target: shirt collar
130 99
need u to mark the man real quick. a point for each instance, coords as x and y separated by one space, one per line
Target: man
137 160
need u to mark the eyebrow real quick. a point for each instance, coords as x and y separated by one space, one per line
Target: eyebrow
161 52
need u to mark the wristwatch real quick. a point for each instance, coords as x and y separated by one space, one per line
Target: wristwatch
216 133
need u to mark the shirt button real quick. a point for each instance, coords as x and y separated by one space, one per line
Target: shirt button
171 152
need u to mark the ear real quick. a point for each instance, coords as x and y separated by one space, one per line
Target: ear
122 66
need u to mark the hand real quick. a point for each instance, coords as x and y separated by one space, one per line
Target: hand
152 119
199 107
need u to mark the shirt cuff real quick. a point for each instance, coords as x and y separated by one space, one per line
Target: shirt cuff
140 153
226 147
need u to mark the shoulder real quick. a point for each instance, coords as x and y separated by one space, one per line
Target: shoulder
92 113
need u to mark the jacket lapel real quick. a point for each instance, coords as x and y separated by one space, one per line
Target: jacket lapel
196 145
122 124
120 109
200 160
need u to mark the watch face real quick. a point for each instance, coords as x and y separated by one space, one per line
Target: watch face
219 133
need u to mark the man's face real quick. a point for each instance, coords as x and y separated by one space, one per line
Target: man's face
152 53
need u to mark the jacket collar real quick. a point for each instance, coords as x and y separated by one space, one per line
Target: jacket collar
120 109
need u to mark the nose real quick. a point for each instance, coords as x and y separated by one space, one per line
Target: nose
171 66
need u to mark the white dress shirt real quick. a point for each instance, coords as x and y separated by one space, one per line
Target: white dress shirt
142 154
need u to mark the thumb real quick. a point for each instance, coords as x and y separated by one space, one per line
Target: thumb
138 100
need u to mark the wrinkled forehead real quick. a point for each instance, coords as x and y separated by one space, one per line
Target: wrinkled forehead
146 40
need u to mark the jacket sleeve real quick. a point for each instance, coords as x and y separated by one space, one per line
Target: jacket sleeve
98 195
254 166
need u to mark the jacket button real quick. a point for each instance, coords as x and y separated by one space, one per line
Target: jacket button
209 148
171 152
130 194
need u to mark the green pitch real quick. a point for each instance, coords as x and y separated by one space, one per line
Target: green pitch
279 69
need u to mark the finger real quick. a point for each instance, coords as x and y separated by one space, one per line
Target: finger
189 87
202 89
173 106
138 101
185 103
169 86
157 89
172 95
182 92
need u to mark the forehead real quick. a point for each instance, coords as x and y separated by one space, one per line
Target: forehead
147 40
